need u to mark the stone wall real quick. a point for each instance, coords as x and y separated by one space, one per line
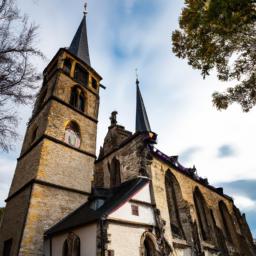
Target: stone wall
47 207
212 198
14 219
66 167
136 159
130 159
59 117
46 157
26 169
63 91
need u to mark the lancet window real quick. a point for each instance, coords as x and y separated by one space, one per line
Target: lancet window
228 225
77 98
71 246
81 75
72 134
202 211
115 174
174 198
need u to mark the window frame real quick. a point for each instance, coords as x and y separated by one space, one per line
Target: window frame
135 210
81 75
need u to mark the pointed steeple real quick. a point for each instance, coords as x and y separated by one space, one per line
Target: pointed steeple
79 46
142 123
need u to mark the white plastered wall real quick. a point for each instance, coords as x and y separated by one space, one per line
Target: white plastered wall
146 215
87 235
125 236
124 239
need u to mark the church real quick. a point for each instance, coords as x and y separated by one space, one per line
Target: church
130 200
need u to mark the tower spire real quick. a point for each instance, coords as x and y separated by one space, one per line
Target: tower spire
79 46
142 123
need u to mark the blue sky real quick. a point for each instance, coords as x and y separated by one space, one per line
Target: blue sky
129 34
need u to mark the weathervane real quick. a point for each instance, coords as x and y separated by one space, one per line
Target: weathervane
85 8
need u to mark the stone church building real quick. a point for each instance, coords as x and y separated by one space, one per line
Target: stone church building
130 200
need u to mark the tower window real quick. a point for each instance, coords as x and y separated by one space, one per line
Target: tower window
115 174
94 84
81 102
77 98
81 75
7 247
74 96
72 134
67 65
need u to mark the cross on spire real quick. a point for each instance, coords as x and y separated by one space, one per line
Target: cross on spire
137 76
85 8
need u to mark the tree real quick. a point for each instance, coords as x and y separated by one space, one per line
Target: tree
221 35
18 76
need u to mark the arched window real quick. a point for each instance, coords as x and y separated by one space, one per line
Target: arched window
81 102
173 193
148 245
77 98
81 75
67 65
74 97
71 246
115 175
72 134
228 224
202 211
65 251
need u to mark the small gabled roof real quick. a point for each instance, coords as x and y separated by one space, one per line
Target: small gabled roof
142 123
79 46
114 198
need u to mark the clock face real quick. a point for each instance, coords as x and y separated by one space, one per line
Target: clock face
72 138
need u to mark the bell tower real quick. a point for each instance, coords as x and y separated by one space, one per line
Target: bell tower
55 168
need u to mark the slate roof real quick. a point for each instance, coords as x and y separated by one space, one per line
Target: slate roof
142 123
113 199
79 46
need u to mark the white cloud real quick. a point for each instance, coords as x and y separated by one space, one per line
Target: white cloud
177 99
245 203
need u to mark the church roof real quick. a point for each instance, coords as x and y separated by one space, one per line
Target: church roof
113 198
79 46
142 123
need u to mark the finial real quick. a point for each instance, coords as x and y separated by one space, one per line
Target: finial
85 8
113 118
137 77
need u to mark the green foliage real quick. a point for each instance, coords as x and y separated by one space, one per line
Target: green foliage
221 35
